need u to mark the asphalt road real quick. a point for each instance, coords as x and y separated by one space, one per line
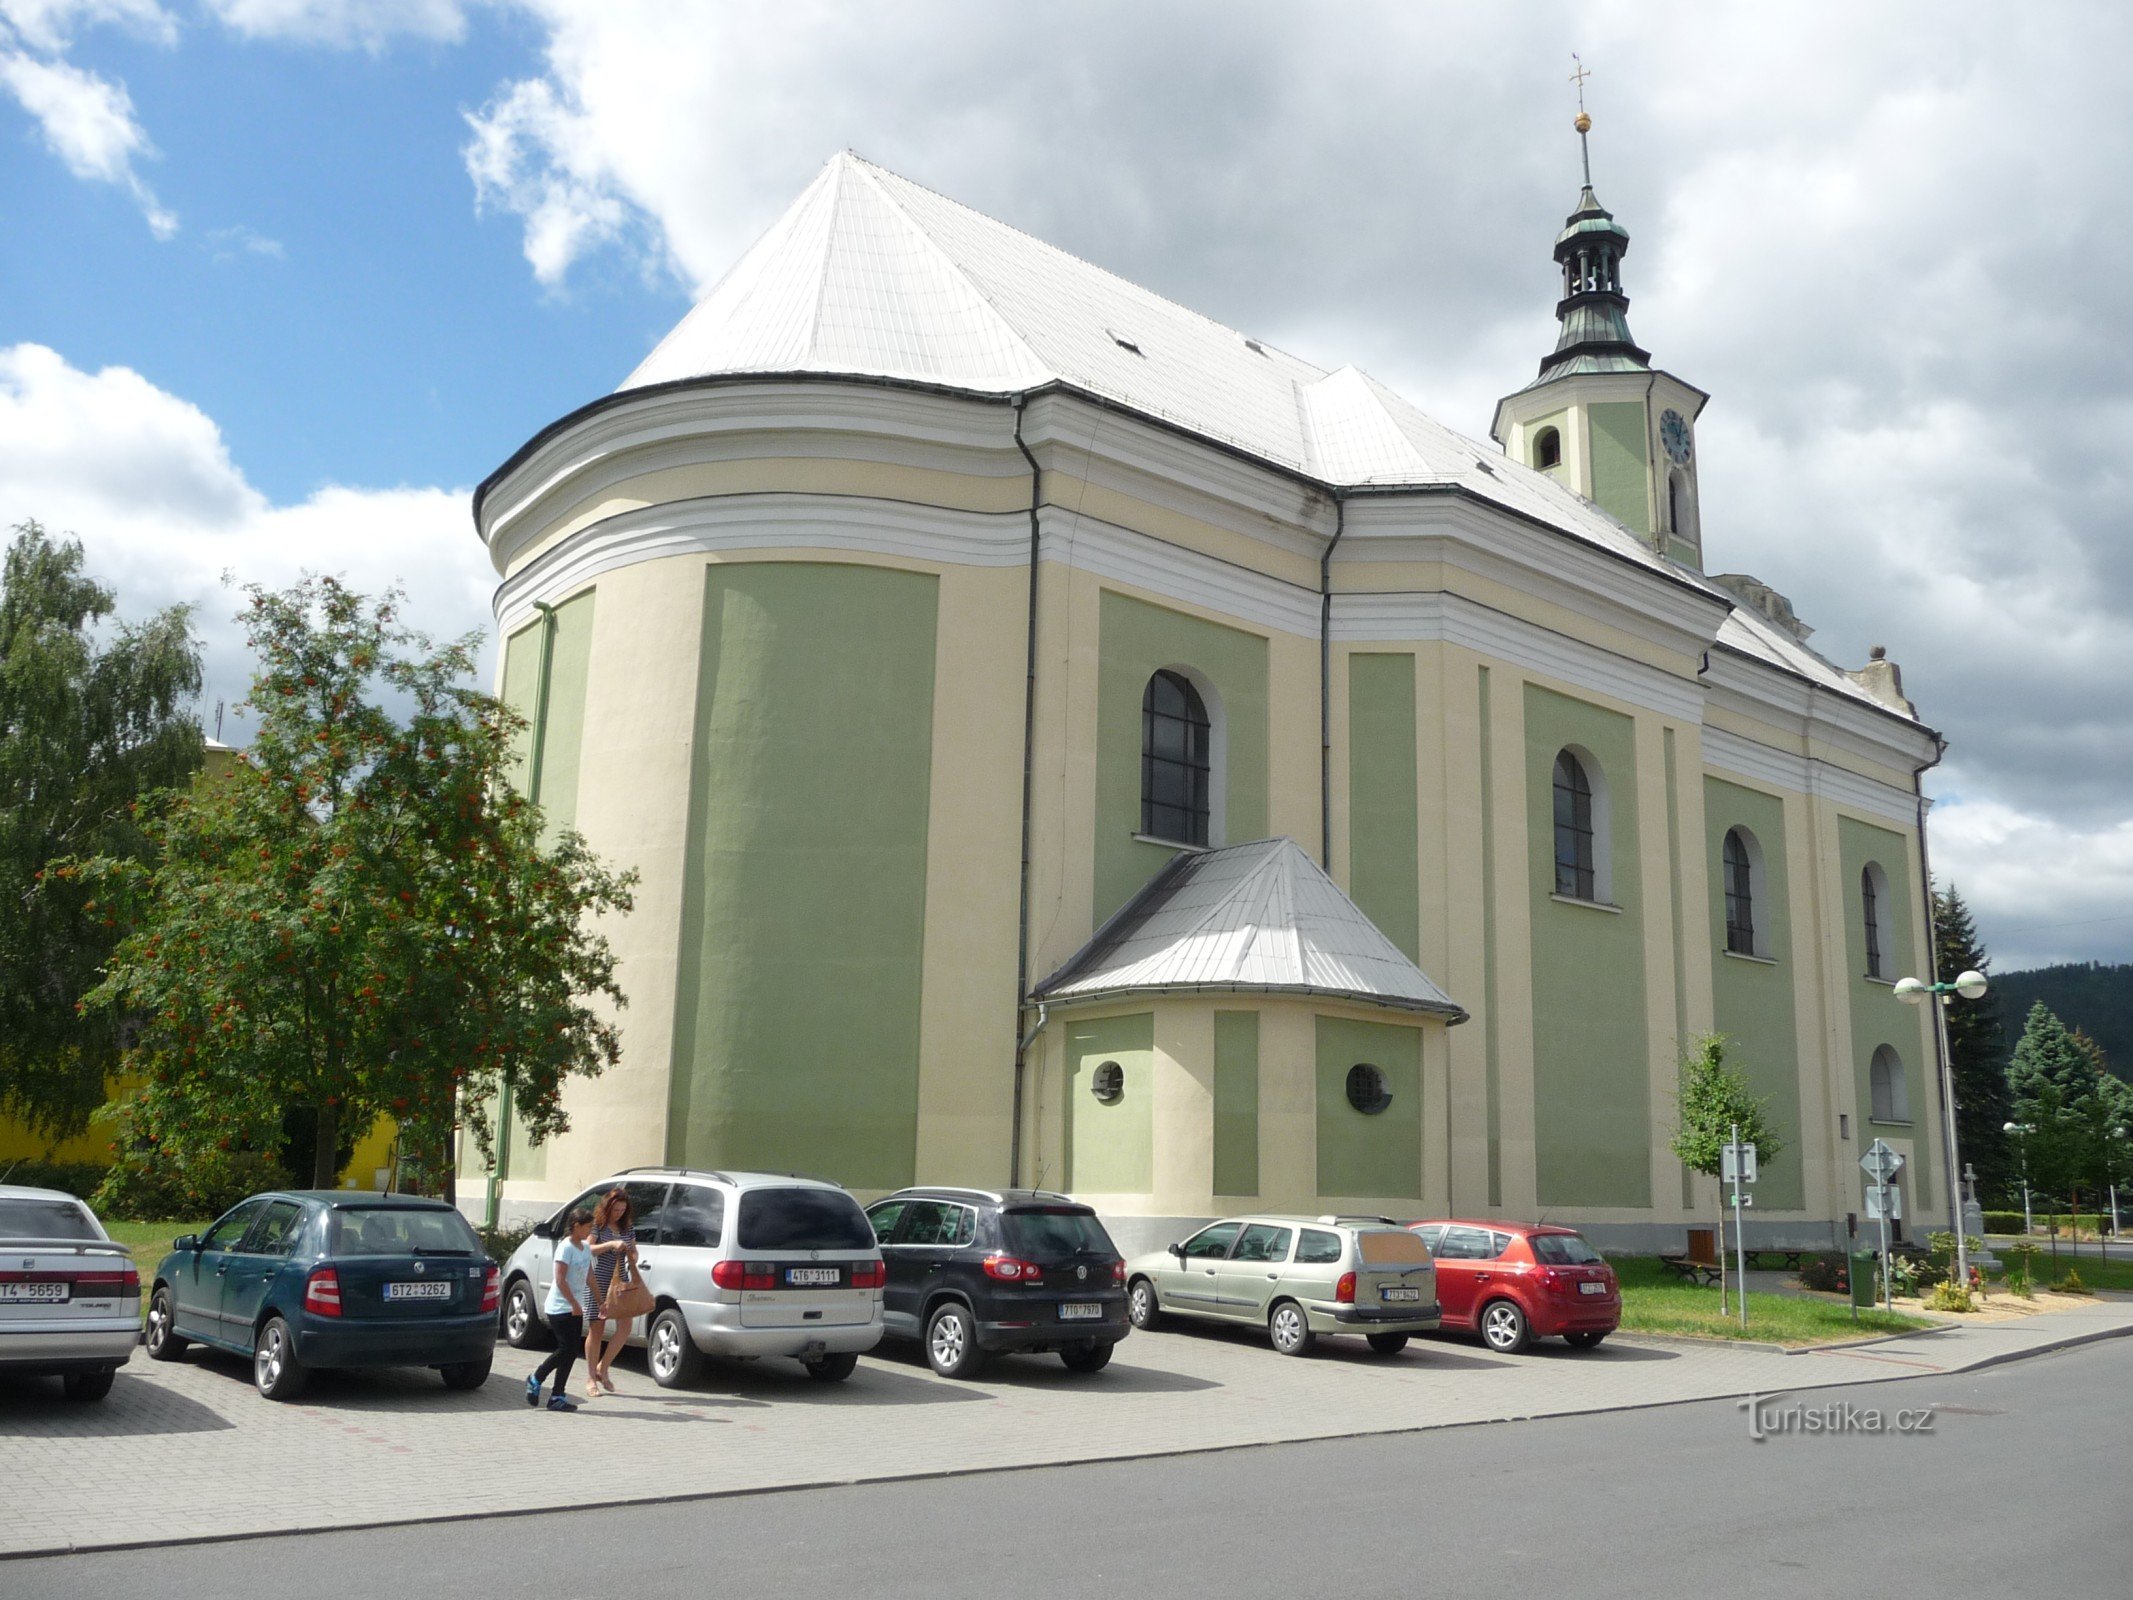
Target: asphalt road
2018 1487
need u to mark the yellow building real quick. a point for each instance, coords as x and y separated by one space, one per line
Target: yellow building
928 592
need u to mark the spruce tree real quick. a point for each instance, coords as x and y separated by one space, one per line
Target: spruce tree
1977 1051
2052 1082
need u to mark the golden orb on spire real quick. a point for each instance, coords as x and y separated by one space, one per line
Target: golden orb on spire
1583 123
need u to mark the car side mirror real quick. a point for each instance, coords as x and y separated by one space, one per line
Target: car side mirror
1178 1250
544 1230
186 1241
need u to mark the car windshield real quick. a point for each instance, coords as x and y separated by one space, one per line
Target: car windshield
31 1217
1563 1250
1056 1231
802 1219
401 1231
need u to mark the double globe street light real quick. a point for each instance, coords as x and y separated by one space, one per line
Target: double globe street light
1912 992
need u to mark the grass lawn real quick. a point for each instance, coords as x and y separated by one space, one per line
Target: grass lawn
2113 1275
1654 1301
149 1241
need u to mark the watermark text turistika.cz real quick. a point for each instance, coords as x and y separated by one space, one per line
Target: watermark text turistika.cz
1772 1416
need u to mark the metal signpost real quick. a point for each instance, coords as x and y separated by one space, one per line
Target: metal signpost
1881 1165
1736 1165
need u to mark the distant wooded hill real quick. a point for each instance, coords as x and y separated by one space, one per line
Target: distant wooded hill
2085 994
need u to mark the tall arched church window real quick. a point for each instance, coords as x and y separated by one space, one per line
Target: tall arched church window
1887 1091
1547 449
1575 872
1740 895
1873 900
1174 761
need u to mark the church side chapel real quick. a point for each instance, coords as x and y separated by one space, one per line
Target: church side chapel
1069 742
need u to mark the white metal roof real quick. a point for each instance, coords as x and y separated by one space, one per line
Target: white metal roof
870 274
1260 917
1743 629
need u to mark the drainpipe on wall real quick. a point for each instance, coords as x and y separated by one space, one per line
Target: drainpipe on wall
1029 759
1939 1003
1325 684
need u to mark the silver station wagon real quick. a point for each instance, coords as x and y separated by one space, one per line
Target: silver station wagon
1296 1277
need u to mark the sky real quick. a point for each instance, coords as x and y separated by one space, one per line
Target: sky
281 280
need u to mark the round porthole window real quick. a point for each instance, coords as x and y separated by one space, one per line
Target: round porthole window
1366 1089
1109 1083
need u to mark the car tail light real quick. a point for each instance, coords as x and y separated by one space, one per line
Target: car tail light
1118 1272
1013 1269
124 1283
1555 1280
322 1293
492 1289
745 1274
870 1275
1344 1291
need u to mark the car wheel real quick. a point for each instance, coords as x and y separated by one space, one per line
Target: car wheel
1388 1344
89 1385
465 1374
1143 1310
670 1351
163 1340
1091 1355
1289 1330
832 1369
1585 1341
275 1369
952 1342
523 1327
1503 1327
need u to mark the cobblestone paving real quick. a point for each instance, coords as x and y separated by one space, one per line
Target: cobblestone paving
188 1450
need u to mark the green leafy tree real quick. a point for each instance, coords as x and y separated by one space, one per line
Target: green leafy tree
2052 1082
1977 1049
2103 1115
362 917
1714 1100
92 716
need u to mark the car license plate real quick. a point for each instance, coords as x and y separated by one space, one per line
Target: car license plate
1589 1287
418 1291
1399 1294
813 1277
1081 1311
50 1291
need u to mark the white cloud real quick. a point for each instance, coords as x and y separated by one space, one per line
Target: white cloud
145 480
2056 892
345 24
49 26
89 124
530 156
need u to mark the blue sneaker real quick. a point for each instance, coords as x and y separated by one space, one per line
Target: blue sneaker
533 1391
561 1402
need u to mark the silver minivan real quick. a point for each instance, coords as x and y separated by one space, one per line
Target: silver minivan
740 1264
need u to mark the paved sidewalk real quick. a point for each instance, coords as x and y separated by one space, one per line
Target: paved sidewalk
189 1451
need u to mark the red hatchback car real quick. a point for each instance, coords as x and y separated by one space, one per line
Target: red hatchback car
1514 1282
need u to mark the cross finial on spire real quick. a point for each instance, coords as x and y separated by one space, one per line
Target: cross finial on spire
1583 124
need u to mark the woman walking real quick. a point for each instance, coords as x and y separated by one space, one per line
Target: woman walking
614 1241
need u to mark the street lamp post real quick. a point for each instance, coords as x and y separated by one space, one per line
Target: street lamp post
1971 986
2022 1131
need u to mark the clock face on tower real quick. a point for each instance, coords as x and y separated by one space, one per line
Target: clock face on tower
1674 434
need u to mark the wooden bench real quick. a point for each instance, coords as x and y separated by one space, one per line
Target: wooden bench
1699 1262
1789 1259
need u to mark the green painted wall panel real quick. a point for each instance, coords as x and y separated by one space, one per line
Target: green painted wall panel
1591 1043
1237 1102
1369 1156
1753 1000
1137 640
562 741
521 692
1110 1149
1384 811
1620 462
1878 1017
796 1028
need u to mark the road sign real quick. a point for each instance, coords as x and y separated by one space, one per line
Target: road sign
1736 1163
1741 1197
1884 1200
1880 1163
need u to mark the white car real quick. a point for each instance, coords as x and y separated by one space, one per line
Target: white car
70 1299
740 1264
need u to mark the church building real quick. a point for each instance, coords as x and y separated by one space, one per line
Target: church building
1069 742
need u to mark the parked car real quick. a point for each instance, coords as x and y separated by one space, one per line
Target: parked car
1297 1277
740 1264
304 1279
1514 1282
977 1271
70 1299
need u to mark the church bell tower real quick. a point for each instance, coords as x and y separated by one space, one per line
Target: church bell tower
1600 417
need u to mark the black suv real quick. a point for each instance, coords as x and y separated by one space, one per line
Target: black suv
972 1271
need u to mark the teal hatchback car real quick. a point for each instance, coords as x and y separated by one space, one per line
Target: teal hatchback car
304 1279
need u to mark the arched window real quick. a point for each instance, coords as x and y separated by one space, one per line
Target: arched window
1576 870
1547 449
1890 1096
1740 894
1174 760
1873 901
